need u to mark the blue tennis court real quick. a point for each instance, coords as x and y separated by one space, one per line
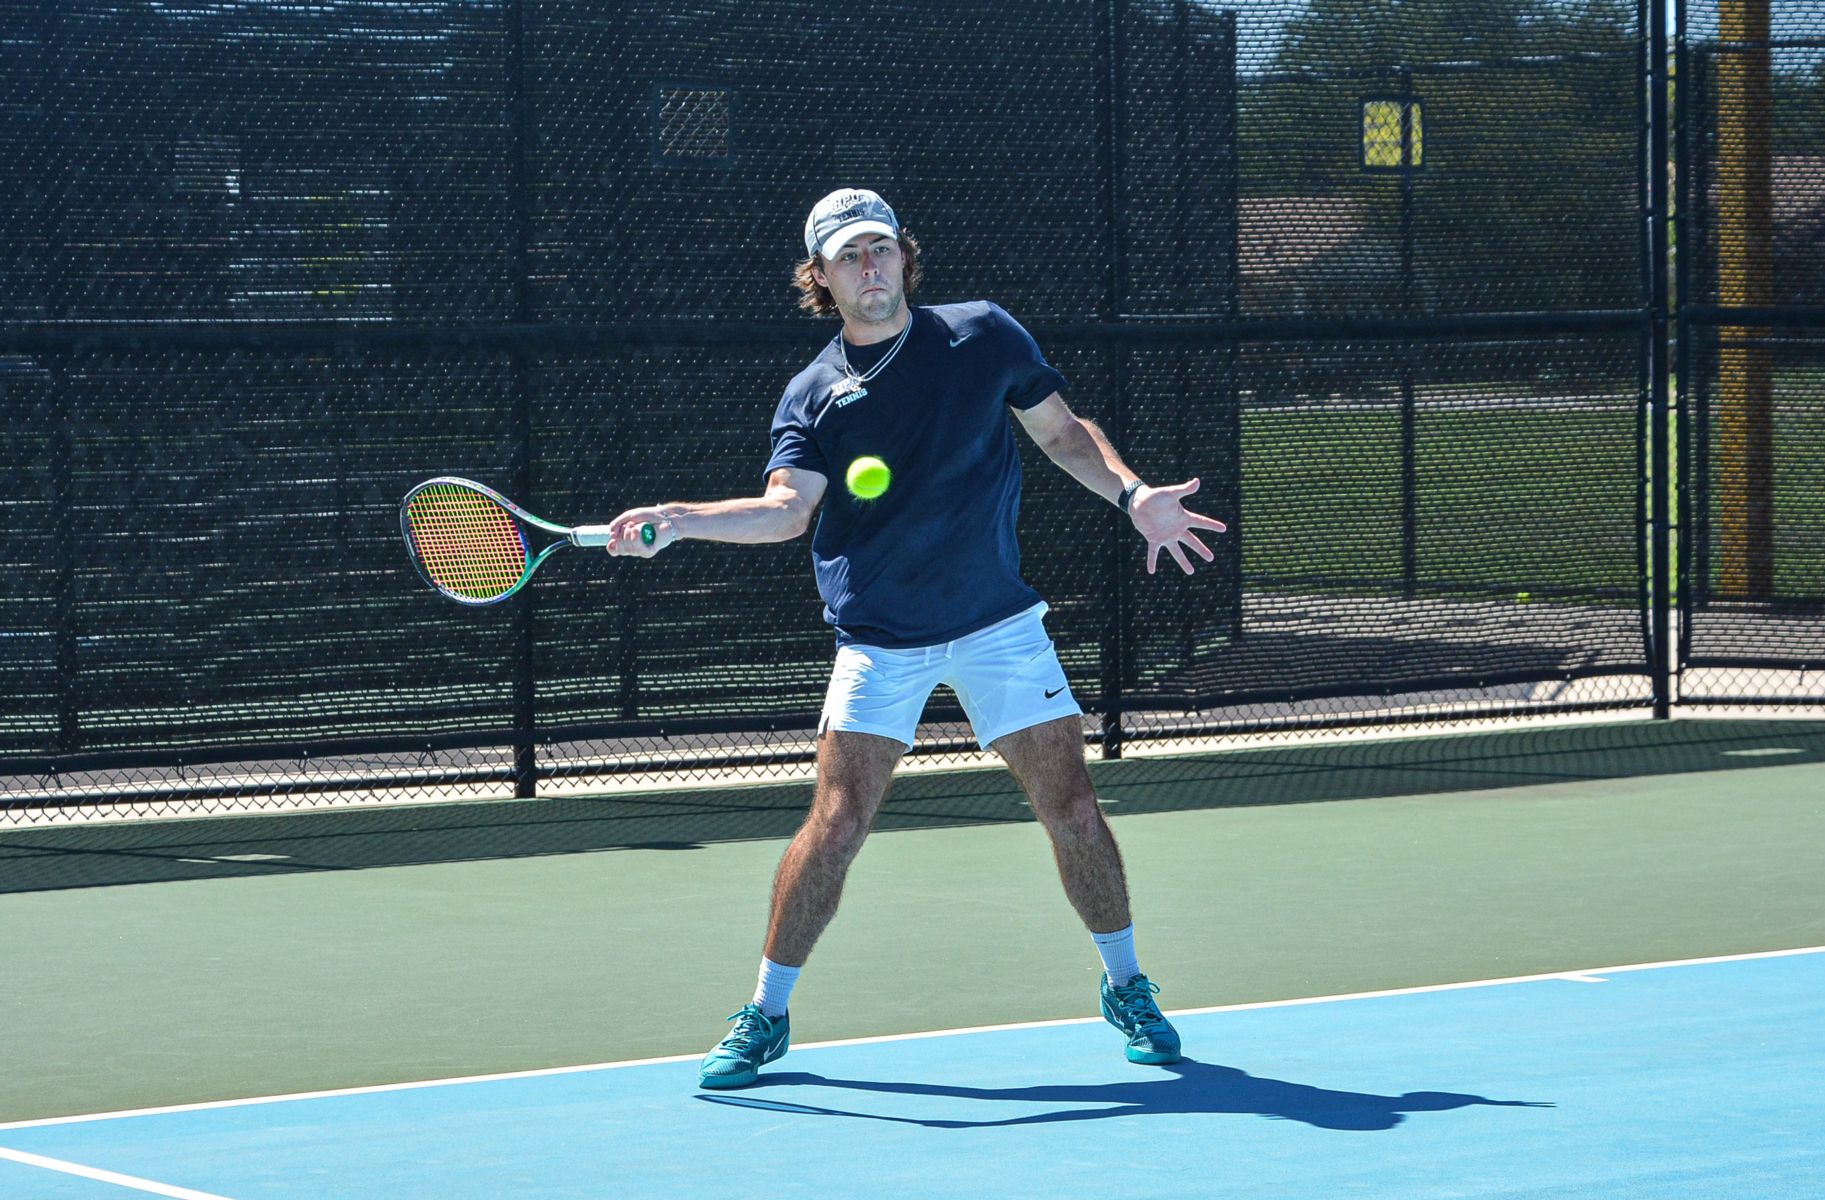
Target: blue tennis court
1662 1080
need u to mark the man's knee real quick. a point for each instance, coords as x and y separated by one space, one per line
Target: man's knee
840 820
854 772
1070 810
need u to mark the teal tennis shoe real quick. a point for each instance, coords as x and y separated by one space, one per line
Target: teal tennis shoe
756 1040
1130 1008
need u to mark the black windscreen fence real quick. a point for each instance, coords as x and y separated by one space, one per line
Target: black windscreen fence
1381 276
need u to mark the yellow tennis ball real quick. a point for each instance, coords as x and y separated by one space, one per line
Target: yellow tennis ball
868 477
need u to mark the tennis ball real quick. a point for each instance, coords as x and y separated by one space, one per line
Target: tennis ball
868 477
1523 597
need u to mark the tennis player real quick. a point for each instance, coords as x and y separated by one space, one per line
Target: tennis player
923 587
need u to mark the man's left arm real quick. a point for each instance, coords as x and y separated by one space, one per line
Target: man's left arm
1081 449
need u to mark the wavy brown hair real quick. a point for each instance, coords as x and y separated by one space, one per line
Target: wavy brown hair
816 299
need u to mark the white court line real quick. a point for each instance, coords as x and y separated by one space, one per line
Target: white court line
101 1176
1585 975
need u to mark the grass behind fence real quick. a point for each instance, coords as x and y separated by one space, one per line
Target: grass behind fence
1508 501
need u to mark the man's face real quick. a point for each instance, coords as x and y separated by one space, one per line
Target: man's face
866 277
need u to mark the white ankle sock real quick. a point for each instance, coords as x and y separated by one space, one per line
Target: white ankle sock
1117 950
775 987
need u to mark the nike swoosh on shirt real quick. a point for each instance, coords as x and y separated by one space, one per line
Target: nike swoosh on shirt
1054 692
958 341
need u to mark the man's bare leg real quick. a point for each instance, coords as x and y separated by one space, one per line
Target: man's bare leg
1048 761
853 774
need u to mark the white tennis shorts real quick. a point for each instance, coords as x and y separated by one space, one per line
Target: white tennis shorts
1007 677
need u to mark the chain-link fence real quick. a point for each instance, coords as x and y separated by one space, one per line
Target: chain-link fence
1379 275
1752 336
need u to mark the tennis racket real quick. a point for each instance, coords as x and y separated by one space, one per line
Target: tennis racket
476 546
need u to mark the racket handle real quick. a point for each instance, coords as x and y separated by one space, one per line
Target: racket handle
602 535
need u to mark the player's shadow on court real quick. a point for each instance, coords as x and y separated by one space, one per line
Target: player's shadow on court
1185 1087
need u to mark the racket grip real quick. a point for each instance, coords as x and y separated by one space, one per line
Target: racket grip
602 535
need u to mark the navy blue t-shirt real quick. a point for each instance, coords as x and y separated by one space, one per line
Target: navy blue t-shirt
935 557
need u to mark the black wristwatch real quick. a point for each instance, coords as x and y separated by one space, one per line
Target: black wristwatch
1127 497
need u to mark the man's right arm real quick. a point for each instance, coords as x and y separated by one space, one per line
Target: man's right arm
779 514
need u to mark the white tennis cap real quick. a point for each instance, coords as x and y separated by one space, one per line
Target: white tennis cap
847 213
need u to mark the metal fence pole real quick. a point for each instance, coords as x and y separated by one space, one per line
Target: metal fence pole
1186 188
1409 470
1113 82
53 204
1230 192
1661 416
1698 342
1684 246
525 697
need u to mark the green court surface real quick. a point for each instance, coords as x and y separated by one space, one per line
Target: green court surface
178 961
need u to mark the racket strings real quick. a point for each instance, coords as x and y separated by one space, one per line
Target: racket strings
469 545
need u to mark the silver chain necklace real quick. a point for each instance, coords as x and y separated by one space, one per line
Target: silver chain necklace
843 349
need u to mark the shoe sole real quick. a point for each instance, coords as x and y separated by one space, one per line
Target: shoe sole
718 1082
